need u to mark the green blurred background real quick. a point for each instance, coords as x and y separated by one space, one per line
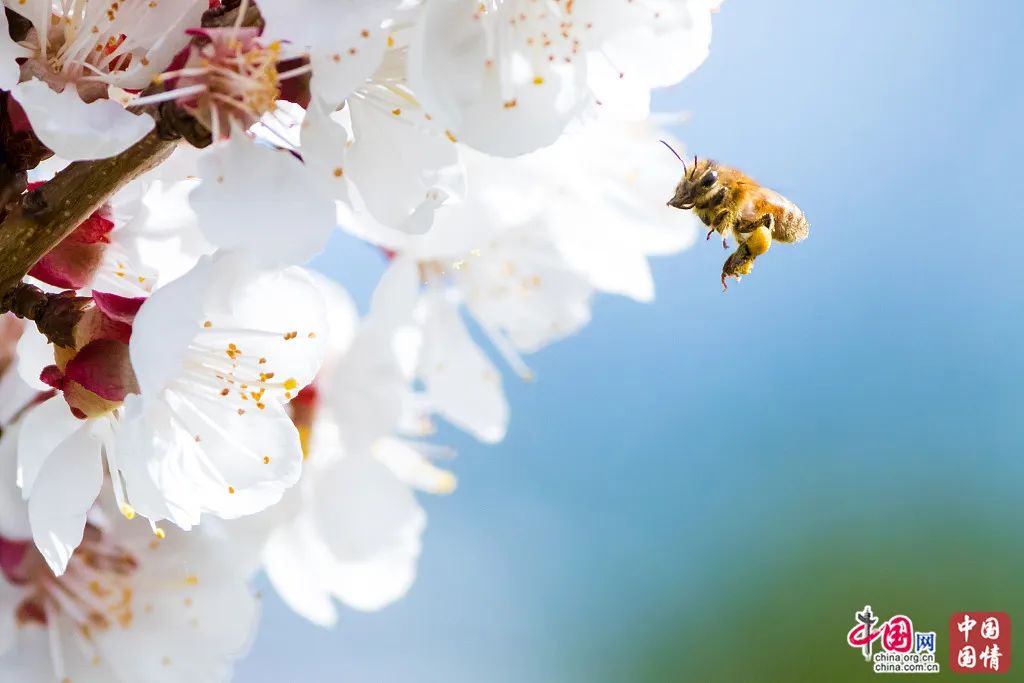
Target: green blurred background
708 488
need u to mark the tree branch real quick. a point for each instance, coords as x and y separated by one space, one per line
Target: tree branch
55 315
48 214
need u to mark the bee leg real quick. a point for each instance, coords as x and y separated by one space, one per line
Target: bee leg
767 221
710 233
741 261
718 224
725 243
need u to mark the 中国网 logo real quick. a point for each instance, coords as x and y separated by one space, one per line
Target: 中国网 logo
900 649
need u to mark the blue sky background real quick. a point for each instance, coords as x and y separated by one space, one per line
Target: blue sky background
859 391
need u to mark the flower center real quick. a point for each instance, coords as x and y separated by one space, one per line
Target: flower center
547 34
220 365
95 592
229 78
86 46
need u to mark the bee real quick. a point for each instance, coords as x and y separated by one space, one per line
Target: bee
732 204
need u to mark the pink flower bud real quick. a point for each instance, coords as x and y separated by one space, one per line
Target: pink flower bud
73 263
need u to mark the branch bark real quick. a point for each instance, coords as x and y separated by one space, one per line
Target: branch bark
48 214
55 315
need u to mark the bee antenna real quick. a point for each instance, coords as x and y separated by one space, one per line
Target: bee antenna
694 166
676 154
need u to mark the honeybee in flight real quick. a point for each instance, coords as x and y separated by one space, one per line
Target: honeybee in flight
733 204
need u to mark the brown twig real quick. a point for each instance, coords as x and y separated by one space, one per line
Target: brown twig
54 314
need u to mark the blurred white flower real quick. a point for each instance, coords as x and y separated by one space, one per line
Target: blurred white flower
601 193
524 252
131 607
351 529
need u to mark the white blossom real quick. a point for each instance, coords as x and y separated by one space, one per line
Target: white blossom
75 52
217 353
507 76
525 251
351 529
214 354
381 155
130 607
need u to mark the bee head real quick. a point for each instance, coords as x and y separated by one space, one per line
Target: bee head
697 179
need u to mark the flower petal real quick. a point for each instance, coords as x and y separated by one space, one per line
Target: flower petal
116 307
363 509
522 286
75 130
345 40
288 566
412 468
367 386
43 429
241 463
337 72
193 611
151 431
462 384
495 88
655 45
165 325
266 202
65 489
403 172
13 510
34 354
103 367
324 144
